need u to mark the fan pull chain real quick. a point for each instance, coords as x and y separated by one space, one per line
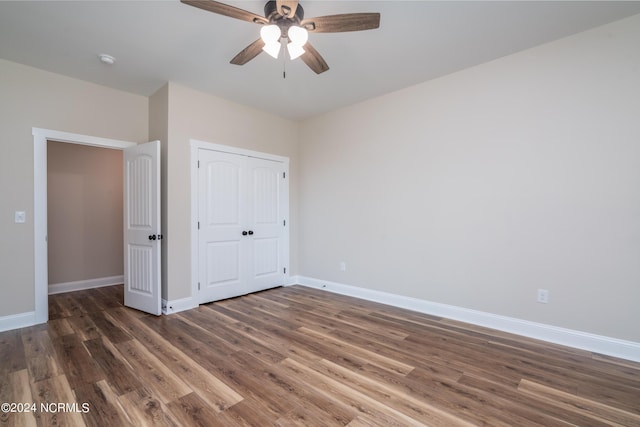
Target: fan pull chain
284 64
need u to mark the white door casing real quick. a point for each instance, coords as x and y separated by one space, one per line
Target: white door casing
142 235
40 138
242 209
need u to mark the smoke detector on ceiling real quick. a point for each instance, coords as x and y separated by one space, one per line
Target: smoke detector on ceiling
107 59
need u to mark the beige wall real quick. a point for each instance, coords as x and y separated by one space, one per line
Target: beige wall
480 187
84 212
33 98
195 115
159 130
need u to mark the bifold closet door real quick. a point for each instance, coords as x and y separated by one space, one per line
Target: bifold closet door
240 236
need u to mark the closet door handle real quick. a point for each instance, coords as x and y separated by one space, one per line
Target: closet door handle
152 237
250 233
244 233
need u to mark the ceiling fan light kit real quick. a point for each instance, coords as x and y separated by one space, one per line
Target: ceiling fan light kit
284 21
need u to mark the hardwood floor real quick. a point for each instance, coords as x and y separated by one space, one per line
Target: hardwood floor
297 357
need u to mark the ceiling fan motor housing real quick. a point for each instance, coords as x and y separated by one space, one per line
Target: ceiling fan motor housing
271 13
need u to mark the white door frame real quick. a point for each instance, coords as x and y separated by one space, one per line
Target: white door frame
40 137
197 145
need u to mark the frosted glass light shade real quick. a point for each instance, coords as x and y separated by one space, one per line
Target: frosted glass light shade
270 33
272 49
295 50
298 35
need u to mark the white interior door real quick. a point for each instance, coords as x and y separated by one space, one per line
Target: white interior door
142 235
241 225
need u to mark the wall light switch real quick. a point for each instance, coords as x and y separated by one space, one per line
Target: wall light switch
21 217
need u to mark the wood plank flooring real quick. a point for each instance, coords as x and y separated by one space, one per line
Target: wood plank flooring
298 357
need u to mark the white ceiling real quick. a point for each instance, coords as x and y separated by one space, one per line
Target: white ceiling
159 41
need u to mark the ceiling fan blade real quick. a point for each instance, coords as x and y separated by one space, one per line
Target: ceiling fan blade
287 8
313 59
226 10
342 23
248 53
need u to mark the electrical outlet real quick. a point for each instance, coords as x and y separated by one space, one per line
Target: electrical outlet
543 296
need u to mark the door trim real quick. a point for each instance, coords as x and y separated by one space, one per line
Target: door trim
197 145
40 264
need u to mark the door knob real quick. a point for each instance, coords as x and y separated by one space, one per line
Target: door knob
250 233
152 237
244 233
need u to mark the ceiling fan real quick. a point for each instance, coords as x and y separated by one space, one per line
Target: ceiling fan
284 22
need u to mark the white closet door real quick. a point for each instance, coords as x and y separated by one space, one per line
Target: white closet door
222 215
265 221
241 214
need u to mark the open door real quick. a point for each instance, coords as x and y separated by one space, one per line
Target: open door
142 235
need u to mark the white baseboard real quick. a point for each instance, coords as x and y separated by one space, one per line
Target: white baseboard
23 320
582 340
175 306
20 320
59 288
292 280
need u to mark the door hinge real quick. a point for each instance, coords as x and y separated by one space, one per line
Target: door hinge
284 222
198 225
198 164
198 285
284 174
285 270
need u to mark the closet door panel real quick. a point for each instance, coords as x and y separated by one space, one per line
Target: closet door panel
222 207
265 219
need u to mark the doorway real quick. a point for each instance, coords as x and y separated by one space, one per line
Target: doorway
84 217
40 138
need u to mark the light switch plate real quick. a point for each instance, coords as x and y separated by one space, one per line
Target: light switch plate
21 217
